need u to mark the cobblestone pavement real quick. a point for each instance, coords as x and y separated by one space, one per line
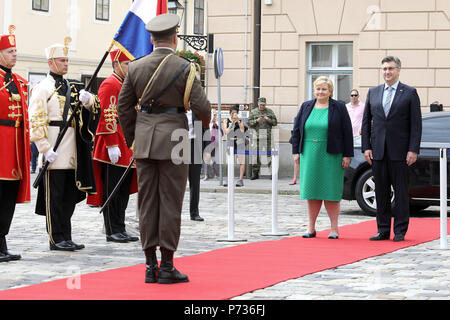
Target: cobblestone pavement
416 272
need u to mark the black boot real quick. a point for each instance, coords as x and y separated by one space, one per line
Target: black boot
5 254
168 274
196 217
151 261
255 176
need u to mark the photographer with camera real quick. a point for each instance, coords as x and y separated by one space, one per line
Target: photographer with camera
234 129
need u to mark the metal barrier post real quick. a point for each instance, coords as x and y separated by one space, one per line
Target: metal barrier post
443 198
442 147
275 167
230 178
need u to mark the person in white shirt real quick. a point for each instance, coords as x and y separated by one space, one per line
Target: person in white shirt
355 110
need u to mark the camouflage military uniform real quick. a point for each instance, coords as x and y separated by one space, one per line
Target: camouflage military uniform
263 131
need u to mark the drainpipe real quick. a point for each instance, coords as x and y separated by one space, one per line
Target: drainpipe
245 53
185 22
256 51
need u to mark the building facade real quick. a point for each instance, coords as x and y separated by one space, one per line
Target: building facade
91 24
271 48
346 40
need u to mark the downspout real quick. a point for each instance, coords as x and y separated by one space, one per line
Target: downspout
245 54
256 51
185 22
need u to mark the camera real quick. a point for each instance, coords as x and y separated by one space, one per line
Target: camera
436 106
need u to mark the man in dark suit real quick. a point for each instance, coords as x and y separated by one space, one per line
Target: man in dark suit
152 103
391 134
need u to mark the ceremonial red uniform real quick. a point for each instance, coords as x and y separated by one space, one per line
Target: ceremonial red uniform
15 144
109 134
15 141
112 156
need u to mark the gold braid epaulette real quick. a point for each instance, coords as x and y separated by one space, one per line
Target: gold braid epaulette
189 83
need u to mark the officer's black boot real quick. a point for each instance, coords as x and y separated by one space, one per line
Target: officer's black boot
151 261
3 250
168 274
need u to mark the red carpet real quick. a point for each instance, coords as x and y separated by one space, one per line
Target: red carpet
229 272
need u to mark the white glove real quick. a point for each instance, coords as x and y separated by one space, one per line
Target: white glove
86 98
114 154
50 155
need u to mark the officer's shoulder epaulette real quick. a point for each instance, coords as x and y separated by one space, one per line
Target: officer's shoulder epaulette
21 79
185 58
75 82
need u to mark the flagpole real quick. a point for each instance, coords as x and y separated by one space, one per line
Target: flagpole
94 76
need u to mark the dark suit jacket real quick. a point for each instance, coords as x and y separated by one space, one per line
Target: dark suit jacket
400 131
340 134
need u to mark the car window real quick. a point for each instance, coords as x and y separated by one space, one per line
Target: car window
436 130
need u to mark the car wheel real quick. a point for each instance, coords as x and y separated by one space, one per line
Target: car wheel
365 193
414 208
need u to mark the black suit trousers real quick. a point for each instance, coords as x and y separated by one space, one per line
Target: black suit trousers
61 196
195 170
8 196
389 173
114 214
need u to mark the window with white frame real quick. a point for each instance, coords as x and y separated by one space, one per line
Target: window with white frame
102 10
199 16
334 60
33 79
40 5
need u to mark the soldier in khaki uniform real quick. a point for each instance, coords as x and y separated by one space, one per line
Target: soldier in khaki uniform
70 175
152 104
262 120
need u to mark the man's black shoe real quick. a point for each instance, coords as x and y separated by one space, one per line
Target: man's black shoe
12 256
171 276
254 176
62 246
380 236
399 237
197 218
117 237
130 238
4 257
151 274
77 246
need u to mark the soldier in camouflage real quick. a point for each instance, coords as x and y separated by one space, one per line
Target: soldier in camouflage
262 120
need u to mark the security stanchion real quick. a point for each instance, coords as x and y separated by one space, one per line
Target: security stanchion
275 166
443 245
230 178
442 147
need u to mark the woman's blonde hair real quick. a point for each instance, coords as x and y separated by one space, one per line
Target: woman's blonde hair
321 80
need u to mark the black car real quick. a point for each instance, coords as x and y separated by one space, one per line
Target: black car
424 184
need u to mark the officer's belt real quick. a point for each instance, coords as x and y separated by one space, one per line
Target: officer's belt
7 123
158 110
56 123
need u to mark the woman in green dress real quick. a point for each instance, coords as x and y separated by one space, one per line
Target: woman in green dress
323 139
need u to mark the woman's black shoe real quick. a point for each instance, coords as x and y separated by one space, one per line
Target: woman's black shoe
309 235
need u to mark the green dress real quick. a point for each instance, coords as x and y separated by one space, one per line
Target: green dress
321 173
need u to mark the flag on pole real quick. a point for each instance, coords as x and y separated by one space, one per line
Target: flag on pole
132 37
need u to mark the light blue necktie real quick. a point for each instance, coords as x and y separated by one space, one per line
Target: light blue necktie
387 102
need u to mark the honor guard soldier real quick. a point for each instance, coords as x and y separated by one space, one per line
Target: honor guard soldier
70 174
262 119
156 93
15 145
112 155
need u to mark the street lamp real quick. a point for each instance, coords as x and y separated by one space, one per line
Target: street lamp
198 42
173 6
